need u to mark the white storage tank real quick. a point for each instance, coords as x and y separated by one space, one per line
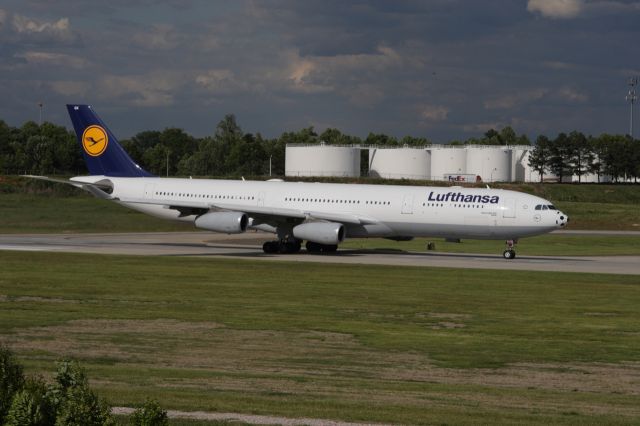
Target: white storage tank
400 163
519 166
322 160
448 161
491 163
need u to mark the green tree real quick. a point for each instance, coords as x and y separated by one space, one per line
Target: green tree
335 137
578 149
139 144
177 144
303 136
413 141
613 155
539 157
76 404
634 159
82 407
155 159
254 163
523 140
275 152
491 137
5 147
332 136
594 155
508 136
11 380
227 134
558 160
380 139
31 406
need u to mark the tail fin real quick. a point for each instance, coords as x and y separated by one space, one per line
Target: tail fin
102 152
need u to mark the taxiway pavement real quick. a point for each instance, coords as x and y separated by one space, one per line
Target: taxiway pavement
249 246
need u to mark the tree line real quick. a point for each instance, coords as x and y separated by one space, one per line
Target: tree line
575 154
53 149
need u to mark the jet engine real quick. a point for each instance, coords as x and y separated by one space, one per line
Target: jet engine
227 222
328 233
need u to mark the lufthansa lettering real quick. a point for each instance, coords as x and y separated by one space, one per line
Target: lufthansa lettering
459 197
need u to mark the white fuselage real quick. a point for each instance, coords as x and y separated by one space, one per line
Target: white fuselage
394 211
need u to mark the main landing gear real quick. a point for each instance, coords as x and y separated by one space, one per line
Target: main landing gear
320 248
510 252
282 246
294 246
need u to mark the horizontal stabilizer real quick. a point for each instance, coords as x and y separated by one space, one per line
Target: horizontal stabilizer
96 189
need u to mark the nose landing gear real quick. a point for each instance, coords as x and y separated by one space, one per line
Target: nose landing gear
510 252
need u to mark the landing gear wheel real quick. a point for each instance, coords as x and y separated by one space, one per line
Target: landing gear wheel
271 247
321 248
509 254
313 247
282 247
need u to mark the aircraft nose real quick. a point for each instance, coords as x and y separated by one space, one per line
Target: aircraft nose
562 219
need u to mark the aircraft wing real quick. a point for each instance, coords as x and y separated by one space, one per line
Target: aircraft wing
264 213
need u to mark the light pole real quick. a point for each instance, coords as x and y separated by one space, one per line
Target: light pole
40 105
271 156
631 97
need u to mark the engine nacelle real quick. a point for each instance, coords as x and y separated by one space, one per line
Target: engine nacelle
227 222
329 233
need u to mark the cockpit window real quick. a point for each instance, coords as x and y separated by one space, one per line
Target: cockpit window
544 207
551 207
539 207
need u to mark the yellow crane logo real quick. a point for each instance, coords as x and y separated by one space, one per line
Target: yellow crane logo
94 140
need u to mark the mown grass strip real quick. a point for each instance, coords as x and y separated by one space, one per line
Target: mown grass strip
358 343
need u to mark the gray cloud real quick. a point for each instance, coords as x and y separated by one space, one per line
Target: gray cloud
556 8
442 69
27 29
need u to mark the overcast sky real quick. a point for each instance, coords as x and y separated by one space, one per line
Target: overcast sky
441 69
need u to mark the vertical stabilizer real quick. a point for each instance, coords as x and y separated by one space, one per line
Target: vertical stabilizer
100 148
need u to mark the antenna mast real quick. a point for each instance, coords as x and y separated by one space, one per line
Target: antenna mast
631 97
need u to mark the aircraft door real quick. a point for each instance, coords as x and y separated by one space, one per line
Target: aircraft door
149 191
261 198
509 208
407 204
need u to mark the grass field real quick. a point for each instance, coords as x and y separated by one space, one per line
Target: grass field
43 213
357 343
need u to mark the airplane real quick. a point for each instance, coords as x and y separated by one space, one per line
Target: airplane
322 214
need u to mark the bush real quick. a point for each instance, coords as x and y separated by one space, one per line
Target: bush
69 375
31 406
11 380
150 414
81 407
